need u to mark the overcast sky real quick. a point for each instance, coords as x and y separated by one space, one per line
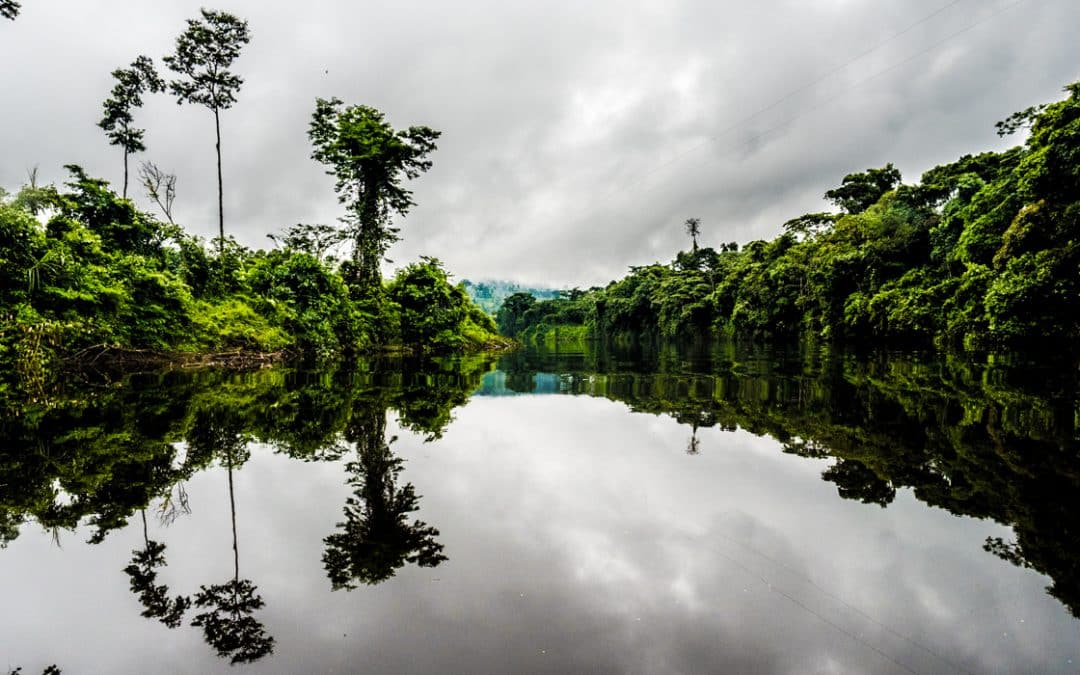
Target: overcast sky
577 136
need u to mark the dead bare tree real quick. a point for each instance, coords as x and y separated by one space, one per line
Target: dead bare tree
160 186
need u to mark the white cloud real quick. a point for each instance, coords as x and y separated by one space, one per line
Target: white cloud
577 137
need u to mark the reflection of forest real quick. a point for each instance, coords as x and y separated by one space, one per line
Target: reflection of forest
988 437
991 437
99 455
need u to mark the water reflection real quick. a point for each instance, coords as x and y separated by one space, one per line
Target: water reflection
989 437
98 455
376 538
154 597
227 620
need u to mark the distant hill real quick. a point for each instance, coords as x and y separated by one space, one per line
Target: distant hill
489 295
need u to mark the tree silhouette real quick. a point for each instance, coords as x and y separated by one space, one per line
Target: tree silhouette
693 446
227 622
376 538
693 228
153 596
228 625
202 58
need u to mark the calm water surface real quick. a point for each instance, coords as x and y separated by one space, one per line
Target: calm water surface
722 509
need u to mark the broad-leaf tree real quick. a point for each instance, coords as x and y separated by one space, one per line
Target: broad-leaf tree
314 239
377 538
859 191
204 53
370 160
127 93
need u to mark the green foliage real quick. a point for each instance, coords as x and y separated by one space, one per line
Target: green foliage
233 324
436 315
490 295
859 191
987 436
112 450
369 160
511 316
982 252
131 84
202 58
311 301
101 276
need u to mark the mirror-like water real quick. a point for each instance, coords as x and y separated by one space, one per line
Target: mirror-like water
713 510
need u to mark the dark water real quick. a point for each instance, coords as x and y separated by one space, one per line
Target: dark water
719 509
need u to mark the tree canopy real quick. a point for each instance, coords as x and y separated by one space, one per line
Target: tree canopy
982 251
202 58
131 83
370 160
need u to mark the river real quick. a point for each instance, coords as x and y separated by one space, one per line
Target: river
714 508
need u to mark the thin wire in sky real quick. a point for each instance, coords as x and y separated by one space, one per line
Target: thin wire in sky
816 614
846 604
817 80
749 142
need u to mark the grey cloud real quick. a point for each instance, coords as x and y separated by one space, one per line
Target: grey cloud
576 138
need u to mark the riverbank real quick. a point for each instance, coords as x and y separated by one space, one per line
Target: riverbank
86 278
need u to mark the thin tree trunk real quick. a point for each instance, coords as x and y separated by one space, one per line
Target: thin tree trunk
220 196
232 508
125 173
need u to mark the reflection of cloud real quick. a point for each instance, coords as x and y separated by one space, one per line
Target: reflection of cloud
733 547
577 137
581 538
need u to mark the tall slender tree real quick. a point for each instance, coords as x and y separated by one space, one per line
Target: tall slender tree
227 617
204 53
369 159
693 228
131 83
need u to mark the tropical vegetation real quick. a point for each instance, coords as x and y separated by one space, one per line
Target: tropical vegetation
86 276
982 251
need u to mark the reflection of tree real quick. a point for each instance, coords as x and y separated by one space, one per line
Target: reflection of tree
376 538
153 596
228 625
431 389
693 446
854 481
99 454
986 436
